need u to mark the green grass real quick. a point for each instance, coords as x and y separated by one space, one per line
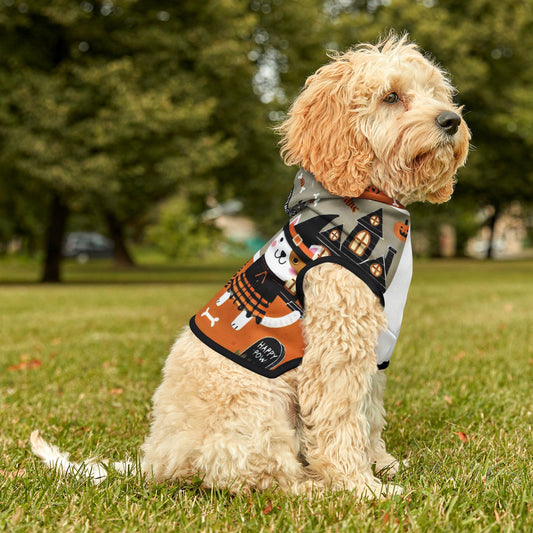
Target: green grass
81 360
150 270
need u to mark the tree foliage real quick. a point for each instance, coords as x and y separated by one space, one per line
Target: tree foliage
109 107
113 105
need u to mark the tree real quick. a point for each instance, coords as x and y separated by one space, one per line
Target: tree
102 105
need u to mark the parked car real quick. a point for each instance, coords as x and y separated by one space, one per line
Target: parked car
83 246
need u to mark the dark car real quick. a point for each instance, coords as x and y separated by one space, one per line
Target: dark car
87 245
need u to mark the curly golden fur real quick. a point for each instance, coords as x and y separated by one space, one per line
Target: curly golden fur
377 115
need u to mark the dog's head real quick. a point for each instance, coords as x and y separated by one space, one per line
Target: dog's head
379 115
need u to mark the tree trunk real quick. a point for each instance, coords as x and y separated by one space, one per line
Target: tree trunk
122 255
492 226
55 233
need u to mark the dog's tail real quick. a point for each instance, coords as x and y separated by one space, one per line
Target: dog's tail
95 471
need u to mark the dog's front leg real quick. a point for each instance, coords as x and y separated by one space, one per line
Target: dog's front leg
341 324
384 461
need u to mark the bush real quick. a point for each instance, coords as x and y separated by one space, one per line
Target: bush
180 233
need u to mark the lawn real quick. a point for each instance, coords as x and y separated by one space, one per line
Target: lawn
80 361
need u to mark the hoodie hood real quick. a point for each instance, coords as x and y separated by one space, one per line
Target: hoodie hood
305 191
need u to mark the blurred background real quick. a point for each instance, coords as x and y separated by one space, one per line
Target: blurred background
130 129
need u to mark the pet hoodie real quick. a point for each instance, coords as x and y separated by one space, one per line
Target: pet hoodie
255 319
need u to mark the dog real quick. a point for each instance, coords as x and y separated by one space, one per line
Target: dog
372 131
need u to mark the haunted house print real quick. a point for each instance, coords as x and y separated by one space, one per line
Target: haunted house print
356 249
361 242
255 319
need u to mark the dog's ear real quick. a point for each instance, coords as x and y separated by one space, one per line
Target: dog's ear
322 133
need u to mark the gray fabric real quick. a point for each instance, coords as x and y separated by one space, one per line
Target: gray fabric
309 199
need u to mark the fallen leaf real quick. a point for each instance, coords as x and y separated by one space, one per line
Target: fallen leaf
447 399
462 436
398 403
267 509
56 341
508 307
385 518
25 365
116 391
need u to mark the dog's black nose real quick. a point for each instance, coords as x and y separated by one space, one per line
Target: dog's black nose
449 122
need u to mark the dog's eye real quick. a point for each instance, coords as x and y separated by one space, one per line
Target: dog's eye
391 98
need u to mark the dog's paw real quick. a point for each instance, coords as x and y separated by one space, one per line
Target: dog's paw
380 490
389 466
393 490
